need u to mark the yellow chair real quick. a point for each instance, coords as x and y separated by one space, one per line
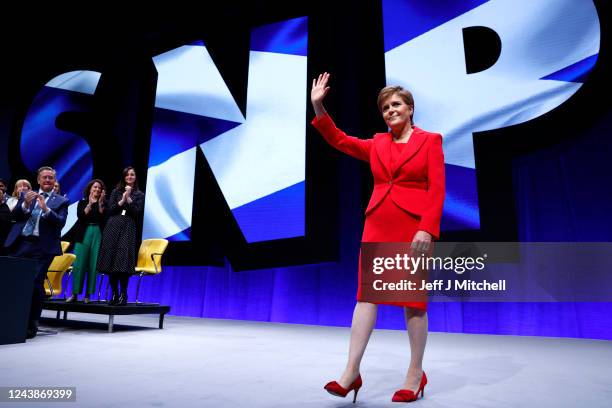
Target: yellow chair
57 269
149 258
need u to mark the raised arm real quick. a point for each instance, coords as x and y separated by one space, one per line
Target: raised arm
353 146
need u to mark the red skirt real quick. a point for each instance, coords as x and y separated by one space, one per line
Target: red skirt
389 223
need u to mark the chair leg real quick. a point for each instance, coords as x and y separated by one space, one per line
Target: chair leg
66 277
68 281
100 287
138 288
50 285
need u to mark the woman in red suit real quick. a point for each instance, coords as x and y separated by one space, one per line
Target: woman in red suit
407 164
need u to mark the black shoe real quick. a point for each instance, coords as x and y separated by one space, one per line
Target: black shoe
122 300
114 299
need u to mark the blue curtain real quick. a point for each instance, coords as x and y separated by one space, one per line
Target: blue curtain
325 295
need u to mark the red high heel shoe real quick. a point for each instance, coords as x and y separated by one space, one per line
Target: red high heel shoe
409 395
339 391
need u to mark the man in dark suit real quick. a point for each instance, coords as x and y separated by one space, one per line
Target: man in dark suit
40 216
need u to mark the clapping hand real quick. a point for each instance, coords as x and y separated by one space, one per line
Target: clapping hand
92 198
29 197
41 202
126 194
101 200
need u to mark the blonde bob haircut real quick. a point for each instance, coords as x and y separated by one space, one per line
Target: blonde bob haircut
20 182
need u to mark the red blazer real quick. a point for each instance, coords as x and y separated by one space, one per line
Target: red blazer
415 183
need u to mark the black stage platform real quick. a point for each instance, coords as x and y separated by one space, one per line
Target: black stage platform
104 308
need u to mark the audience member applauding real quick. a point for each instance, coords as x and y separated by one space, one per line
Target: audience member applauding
21 186
91 212
40 216
117 256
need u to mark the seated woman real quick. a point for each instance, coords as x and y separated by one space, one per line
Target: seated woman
91 211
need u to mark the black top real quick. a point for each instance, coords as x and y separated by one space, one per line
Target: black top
83 220
120 238
133 210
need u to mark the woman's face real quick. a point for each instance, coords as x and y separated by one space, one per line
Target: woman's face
22 187
130 177
396 112
56 188
96 190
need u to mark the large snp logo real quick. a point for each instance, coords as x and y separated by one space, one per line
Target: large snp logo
545 48
540 52
257 159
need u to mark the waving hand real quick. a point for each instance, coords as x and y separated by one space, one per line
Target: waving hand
318 92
